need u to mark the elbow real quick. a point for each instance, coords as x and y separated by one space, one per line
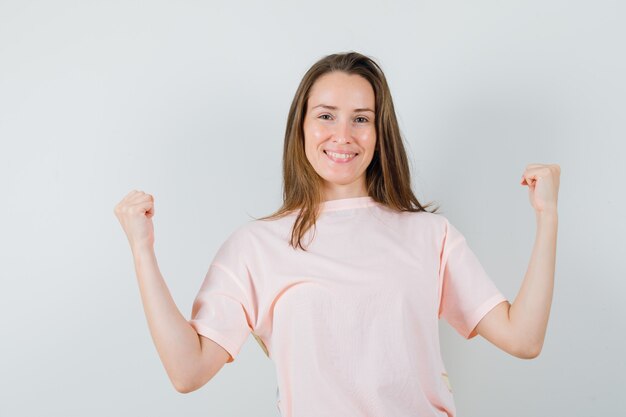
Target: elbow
184 388
182 385
529 351
534 352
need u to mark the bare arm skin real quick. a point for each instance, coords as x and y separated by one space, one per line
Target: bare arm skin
190 360
520 328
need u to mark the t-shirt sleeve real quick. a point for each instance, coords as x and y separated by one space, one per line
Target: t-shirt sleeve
467 293
223 309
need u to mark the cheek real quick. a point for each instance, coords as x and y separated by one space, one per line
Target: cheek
313 137
368 140
317 133
310 145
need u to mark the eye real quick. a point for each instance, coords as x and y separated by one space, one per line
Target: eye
322 115
364 119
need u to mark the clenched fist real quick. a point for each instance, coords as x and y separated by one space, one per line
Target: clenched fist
135 213
543 186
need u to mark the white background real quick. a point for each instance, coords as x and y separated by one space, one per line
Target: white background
187 101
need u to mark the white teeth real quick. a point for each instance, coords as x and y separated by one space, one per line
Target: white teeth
341 155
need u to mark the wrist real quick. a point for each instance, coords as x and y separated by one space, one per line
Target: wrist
547 217
141 250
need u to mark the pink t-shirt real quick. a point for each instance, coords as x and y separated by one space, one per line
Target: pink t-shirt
351 324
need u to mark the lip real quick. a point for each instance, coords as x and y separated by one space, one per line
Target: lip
340 151
340 161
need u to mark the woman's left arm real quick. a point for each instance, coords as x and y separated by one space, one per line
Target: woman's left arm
520 328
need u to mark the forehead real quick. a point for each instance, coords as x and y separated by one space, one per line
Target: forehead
338 88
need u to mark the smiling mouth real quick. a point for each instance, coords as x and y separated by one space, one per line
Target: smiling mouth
340 157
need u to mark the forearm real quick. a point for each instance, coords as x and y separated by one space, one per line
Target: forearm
176 341
531 308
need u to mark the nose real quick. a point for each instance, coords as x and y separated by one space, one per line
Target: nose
343 132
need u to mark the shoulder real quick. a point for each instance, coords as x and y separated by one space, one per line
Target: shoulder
434 219
237 240
258 227
258 232
421 227
424 220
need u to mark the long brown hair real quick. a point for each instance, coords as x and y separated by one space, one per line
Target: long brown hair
388 180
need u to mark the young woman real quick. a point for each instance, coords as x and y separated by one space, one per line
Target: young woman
343 286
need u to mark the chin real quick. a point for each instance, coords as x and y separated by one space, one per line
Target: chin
339 181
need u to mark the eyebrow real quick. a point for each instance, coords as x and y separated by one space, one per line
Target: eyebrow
335 108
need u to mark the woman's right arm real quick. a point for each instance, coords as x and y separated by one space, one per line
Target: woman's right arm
190 360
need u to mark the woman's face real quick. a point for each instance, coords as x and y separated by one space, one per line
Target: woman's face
340 133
